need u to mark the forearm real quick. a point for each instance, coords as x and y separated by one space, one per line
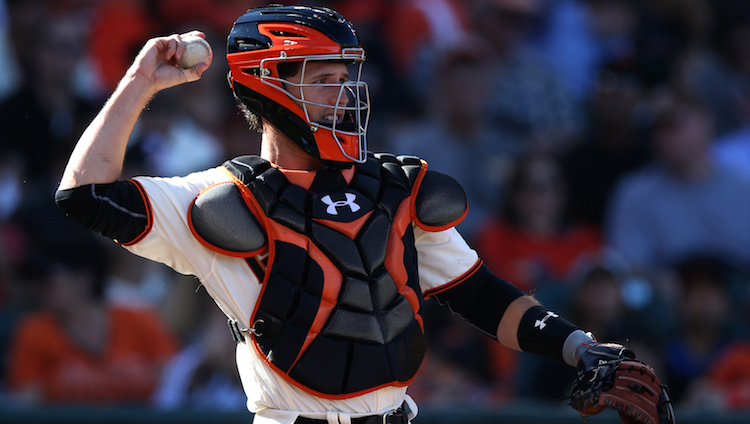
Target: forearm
515 319
507 330
530 327
99 154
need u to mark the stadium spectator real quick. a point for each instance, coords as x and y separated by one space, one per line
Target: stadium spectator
715 66
76 349
732 151
202 375
728 380
454 136
531 104
44 116
531 240
613 145
681 205
704 331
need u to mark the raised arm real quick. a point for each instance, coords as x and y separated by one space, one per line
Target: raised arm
99 153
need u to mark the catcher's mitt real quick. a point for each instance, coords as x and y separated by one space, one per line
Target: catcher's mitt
609 376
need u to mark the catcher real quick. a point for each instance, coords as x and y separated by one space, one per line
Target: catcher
319 252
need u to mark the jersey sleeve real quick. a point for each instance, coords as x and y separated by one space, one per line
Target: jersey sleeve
444 258
169 240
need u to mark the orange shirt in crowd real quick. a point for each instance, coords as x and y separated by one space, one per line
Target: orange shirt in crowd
523 258
43 356
731 374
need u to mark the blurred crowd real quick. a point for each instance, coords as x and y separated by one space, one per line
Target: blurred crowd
604 146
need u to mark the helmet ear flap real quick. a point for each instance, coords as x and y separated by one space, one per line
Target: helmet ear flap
253 118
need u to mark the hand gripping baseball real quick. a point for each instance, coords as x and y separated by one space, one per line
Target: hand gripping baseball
609 376
159 59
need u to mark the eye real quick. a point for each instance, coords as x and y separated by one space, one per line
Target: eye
329 79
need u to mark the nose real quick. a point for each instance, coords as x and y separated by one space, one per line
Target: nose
338 97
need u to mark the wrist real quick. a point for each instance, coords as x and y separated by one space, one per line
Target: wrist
545 333
575 345
136 85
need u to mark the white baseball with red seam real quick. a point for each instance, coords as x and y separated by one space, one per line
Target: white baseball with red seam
197 51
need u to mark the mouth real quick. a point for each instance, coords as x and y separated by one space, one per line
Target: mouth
331 118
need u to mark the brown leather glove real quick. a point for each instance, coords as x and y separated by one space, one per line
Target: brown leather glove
609 376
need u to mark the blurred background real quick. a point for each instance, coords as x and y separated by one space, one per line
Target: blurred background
604 146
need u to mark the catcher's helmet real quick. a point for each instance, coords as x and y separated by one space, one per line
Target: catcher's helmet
263 38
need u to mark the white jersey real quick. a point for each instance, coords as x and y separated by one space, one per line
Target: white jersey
442 258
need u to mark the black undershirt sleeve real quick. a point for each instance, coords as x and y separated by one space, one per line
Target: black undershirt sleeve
481 299
118 210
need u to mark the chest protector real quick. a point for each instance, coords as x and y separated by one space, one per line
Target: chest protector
339 311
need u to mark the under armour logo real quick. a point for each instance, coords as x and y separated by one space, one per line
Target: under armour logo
541 323
331 209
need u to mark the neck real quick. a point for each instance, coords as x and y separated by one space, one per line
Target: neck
278 149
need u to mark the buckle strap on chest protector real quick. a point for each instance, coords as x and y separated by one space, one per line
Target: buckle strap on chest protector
238 331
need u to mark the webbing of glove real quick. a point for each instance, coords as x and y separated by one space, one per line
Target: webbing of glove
628 386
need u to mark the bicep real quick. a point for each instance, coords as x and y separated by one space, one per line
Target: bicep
443 257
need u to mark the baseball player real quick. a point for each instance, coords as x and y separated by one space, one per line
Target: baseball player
319 253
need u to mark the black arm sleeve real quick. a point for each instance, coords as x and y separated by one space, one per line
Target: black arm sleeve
118 210
481 299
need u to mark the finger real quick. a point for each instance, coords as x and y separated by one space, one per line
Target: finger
200 68
172 49
181 45
180 50
191 74
194 32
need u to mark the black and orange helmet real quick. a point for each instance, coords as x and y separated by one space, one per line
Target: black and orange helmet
265 37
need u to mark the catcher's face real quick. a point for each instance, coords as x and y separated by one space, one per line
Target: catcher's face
318 85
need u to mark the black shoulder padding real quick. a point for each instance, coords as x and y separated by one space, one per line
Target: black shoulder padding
411 166
440 201
246 168
220 216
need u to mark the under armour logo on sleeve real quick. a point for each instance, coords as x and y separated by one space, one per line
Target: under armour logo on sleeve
333 205
541 323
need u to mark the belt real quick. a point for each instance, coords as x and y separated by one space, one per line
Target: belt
394 416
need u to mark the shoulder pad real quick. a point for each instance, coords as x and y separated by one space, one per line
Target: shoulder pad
246 168
221 221
404 168
440 203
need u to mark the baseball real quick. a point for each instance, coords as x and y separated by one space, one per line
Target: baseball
197 50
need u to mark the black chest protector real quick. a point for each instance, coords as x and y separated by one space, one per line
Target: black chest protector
339 312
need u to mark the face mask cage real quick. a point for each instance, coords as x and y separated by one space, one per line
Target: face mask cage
347 119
